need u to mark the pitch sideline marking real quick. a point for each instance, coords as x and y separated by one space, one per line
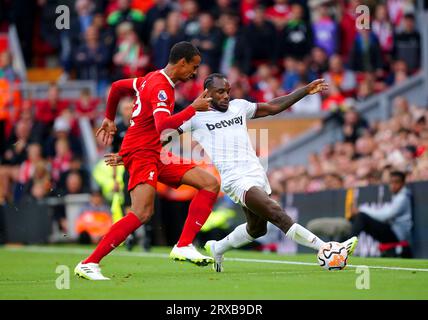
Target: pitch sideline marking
164 255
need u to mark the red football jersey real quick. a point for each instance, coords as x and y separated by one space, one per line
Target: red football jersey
153 93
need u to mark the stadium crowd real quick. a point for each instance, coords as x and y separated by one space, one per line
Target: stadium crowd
266 49
366 155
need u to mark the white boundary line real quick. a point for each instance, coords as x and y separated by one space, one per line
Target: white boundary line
166 256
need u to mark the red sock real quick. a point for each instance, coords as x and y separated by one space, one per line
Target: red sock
116 235
199 211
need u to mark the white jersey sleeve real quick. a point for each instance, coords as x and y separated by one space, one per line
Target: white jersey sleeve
185 127
169 135
248 107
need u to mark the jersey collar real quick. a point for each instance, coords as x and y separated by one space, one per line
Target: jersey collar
168 78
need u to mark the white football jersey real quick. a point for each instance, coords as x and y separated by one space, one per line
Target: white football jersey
224 137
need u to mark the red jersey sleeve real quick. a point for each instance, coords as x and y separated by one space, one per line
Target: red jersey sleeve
162 103
119 89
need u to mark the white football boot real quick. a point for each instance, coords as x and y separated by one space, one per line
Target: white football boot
350 245
190 254
89 271
218 258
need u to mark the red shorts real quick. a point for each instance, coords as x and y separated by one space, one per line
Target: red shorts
150 169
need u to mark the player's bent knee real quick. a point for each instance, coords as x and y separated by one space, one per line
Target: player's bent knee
143 215
211 184
259 231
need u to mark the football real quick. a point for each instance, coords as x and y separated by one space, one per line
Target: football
332 256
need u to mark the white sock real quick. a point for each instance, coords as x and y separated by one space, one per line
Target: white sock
237 238
304 237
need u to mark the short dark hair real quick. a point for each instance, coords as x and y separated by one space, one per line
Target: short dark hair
182 50
399 174
209 80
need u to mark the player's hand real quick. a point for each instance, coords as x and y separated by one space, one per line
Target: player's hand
107 131
113 159
316 86
203 102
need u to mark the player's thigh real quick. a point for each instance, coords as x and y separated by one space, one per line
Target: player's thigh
260 203
201 179
175 175
256 225
142 201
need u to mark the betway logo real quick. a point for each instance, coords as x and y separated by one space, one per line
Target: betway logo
224 123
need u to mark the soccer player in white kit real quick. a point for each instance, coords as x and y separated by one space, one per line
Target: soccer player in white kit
222 133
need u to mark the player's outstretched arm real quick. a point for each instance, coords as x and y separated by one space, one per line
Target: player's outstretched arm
280 104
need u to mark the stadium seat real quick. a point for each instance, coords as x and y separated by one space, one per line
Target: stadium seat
395 249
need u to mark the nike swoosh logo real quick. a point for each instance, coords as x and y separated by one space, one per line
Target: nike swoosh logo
198 223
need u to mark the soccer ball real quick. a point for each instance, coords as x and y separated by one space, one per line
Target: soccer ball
332 256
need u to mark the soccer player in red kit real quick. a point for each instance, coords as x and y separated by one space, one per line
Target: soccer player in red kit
141 150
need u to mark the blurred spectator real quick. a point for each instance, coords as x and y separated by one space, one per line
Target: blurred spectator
366 55
347 25
92 58
40 184
295 37
333 181
190 12
398 74
94 219
279 13
259 31
86 105
63 129
390 223
15 154
106 35
163 42
73 185
160 10
75 166
365 89
341 77
131 57
6 68
407 44
125 13
27 168
397 10
383 29
233 48
48 110
222 7
247 10
297 71
61 162
325 31
208 41
319 61
353 125
237 78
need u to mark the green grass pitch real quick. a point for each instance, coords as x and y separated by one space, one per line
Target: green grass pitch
30 273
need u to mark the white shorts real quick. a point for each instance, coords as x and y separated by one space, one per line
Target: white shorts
237 189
